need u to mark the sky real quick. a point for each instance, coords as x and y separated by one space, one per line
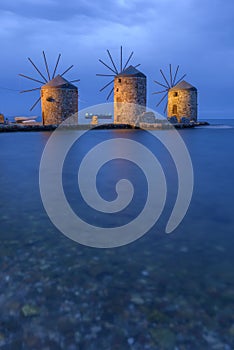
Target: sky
195 34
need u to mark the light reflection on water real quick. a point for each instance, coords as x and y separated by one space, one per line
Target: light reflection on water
160 292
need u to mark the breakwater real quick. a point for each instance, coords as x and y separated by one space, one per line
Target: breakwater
39 127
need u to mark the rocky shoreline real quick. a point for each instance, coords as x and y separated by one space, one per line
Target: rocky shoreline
39 127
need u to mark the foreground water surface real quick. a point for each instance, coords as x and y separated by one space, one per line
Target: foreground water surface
160 292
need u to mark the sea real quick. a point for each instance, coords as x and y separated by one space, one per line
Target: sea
172 291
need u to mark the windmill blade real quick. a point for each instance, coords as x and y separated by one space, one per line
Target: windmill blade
173 83
104 87
105 75
157 82
56 66
107 66
159 92
118 67
165 78
109 54
109 94
180 79
164 111
128 60
34 105
23 91
170 74
161 100
46 64
38 81
75 81
37 69
121 59
67 70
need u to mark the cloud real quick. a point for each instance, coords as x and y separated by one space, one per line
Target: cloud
54 10
196 34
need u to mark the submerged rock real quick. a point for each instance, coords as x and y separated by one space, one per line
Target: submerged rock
130 341
30 310
164 338
136 299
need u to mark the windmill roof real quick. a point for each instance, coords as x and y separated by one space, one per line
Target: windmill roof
131 71
183 85
59 82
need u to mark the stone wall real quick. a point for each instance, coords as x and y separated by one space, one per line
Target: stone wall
129 99
58 104
182 103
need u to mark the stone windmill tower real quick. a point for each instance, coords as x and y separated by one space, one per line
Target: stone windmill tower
58 96
129 91
59 100
181 102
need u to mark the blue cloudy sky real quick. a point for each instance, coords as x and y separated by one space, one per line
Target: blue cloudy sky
196 34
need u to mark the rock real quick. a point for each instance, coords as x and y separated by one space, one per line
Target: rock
184 249
30 310
130 341
212 339
145 273
164 338
136 299
96 329
2 339
156 316
78 337
231 330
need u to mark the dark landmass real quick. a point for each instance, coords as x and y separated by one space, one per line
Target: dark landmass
39 127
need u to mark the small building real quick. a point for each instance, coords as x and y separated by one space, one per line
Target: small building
59 101
94 120
129 96
182 102
2 119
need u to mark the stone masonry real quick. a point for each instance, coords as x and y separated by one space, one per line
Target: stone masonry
129 96
59 100
182 102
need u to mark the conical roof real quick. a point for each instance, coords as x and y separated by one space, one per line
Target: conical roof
132 71
60 83
183 85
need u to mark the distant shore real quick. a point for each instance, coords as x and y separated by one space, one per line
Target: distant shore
12 127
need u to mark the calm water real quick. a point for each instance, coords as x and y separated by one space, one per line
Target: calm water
160 292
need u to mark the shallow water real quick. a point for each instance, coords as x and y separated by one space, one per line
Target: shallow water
161 292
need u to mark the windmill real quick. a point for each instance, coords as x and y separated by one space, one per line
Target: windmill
129 89
167 84
115 69
46 78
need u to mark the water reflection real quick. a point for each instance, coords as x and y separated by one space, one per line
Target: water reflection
161 292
